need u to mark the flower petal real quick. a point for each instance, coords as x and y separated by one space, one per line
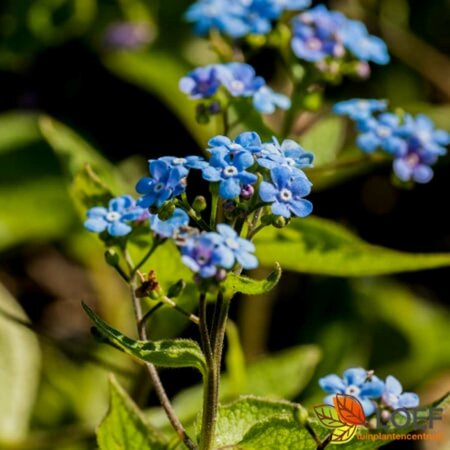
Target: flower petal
229 189
118 228
332 384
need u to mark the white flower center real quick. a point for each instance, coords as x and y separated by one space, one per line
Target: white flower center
285 194
353 390
232 243
178 161
413 159
237 85
235 146
362 104
384 132
113 216
314 44
424 136
230 171
158 187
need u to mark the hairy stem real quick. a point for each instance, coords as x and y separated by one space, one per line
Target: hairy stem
156 381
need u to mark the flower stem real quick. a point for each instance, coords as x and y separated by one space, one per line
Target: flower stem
154 376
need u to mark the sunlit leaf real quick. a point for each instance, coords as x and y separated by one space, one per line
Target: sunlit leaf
343 434
328 416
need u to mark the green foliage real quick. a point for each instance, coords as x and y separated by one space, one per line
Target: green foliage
319 246
325 138
169 353
19 373
239 284
237 418
235 358
124 426
294 366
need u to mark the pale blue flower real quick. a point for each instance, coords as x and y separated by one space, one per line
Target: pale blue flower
394 397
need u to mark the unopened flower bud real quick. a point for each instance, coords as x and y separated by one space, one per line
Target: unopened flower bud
199 204
201 114
176 289
111 257
363 70
221 274
166 212
279 222
385 416
229 206
247 191
267 219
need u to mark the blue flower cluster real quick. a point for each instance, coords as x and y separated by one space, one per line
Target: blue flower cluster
238 80
413 142
369 390
238 18
322 36
208 253
246 172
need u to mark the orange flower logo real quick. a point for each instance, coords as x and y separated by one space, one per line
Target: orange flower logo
343 418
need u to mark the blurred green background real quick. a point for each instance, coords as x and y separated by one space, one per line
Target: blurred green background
64 61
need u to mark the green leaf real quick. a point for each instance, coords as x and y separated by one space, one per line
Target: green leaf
237 418
328 416
125 427
34 203
159 73
19 372
294 366
277 433
235 359
245 285
320 246
173 353
325 139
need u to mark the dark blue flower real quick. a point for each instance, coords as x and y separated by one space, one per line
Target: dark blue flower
265 100
240 79
241 249
202 82
363 45
286 193
114 219
289 154
315 34
248 141
204 254
394 397
358 108
358 384
230 171
165 182
168 228
381 132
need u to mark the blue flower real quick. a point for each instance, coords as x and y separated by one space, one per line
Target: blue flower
420 132
394 397
248 141
265 100
202 82
415 165
315 34
358 108
286 193
289 154
356 384
240 79
364 46
168 228
204 254
186 162
381 132
230 171
165 182
241 249
226 16
114 219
